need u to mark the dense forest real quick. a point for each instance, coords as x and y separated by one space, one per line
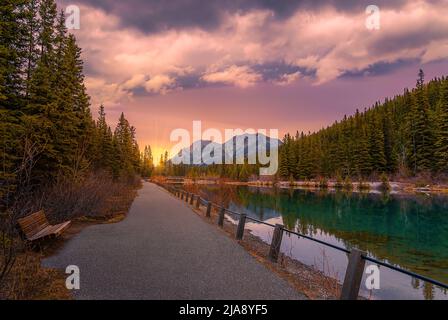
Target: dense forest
240 172
47 130
405 136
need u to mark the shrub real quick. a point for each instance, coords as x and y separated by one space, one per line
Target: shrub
423 179
291 180
385 185
348 185
363 186
323 183
339 182
96 195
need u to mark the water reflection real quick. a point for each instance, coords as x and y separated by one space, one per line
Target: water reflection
405 230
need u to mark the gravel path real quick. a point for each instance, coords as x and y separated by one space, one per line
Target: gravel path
163 250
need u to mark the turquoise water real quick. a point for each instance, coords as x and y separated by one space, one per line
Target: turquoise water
407 231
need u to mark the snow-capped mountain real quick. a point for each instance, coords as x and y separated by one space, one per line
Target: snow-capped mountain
202 152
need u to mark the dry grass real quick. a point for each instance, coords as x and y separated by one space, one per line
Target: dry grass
28 280
101 201
95 196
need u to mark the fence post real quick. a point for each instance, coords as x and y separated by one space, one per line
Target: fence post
192 199
240 229
353 275
276 243
209 209
198 202
221 217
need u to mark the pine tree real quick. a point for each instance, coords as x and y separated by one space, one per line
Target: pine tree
41 104
291 157
304 166
422 152
10 131
361 154
376 145
441 145
283 163
13 47
125 147
47 13
166 164
32 29
103 144
390 152
147 162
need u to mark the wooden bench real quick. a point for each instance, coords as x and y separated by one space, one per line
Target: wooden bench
36 226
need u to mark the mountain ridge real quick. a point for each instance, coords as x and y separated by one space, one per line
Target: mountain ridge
244 146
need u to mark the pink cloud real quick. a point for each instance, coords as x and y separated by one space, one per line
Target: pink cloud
327 42
160 84
242 77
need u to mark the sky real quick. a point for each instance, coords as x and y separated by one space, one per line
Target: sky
261 64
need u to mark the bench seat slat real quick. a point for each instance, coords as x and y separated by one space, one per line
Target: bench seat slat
55 230
33 224
36 226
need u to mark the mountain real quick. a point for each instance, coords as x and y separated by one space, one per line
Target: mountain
244 146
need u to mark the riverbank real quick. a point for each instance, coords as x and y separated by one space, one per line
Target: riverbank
395 187
364 187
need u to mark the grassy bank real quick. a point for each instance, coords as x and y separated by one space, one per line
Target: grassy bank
94 201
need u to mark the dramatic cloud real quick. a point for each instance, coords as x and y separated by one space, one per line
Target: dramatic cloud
152 47
152 16
160 84
288 78
242 77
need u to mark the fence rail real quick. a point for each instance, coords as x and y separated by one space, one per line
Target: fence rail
356 258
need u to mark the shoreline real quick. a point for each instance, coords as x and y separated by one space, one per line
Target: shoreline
374 187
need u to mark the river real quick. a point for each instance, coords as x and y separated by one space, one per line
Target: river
409 231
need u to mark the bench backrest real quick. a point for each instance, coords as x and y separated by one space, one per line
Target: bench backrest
33 223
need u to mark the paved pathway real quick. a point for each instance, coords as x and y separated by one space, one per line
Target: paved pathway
163 250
